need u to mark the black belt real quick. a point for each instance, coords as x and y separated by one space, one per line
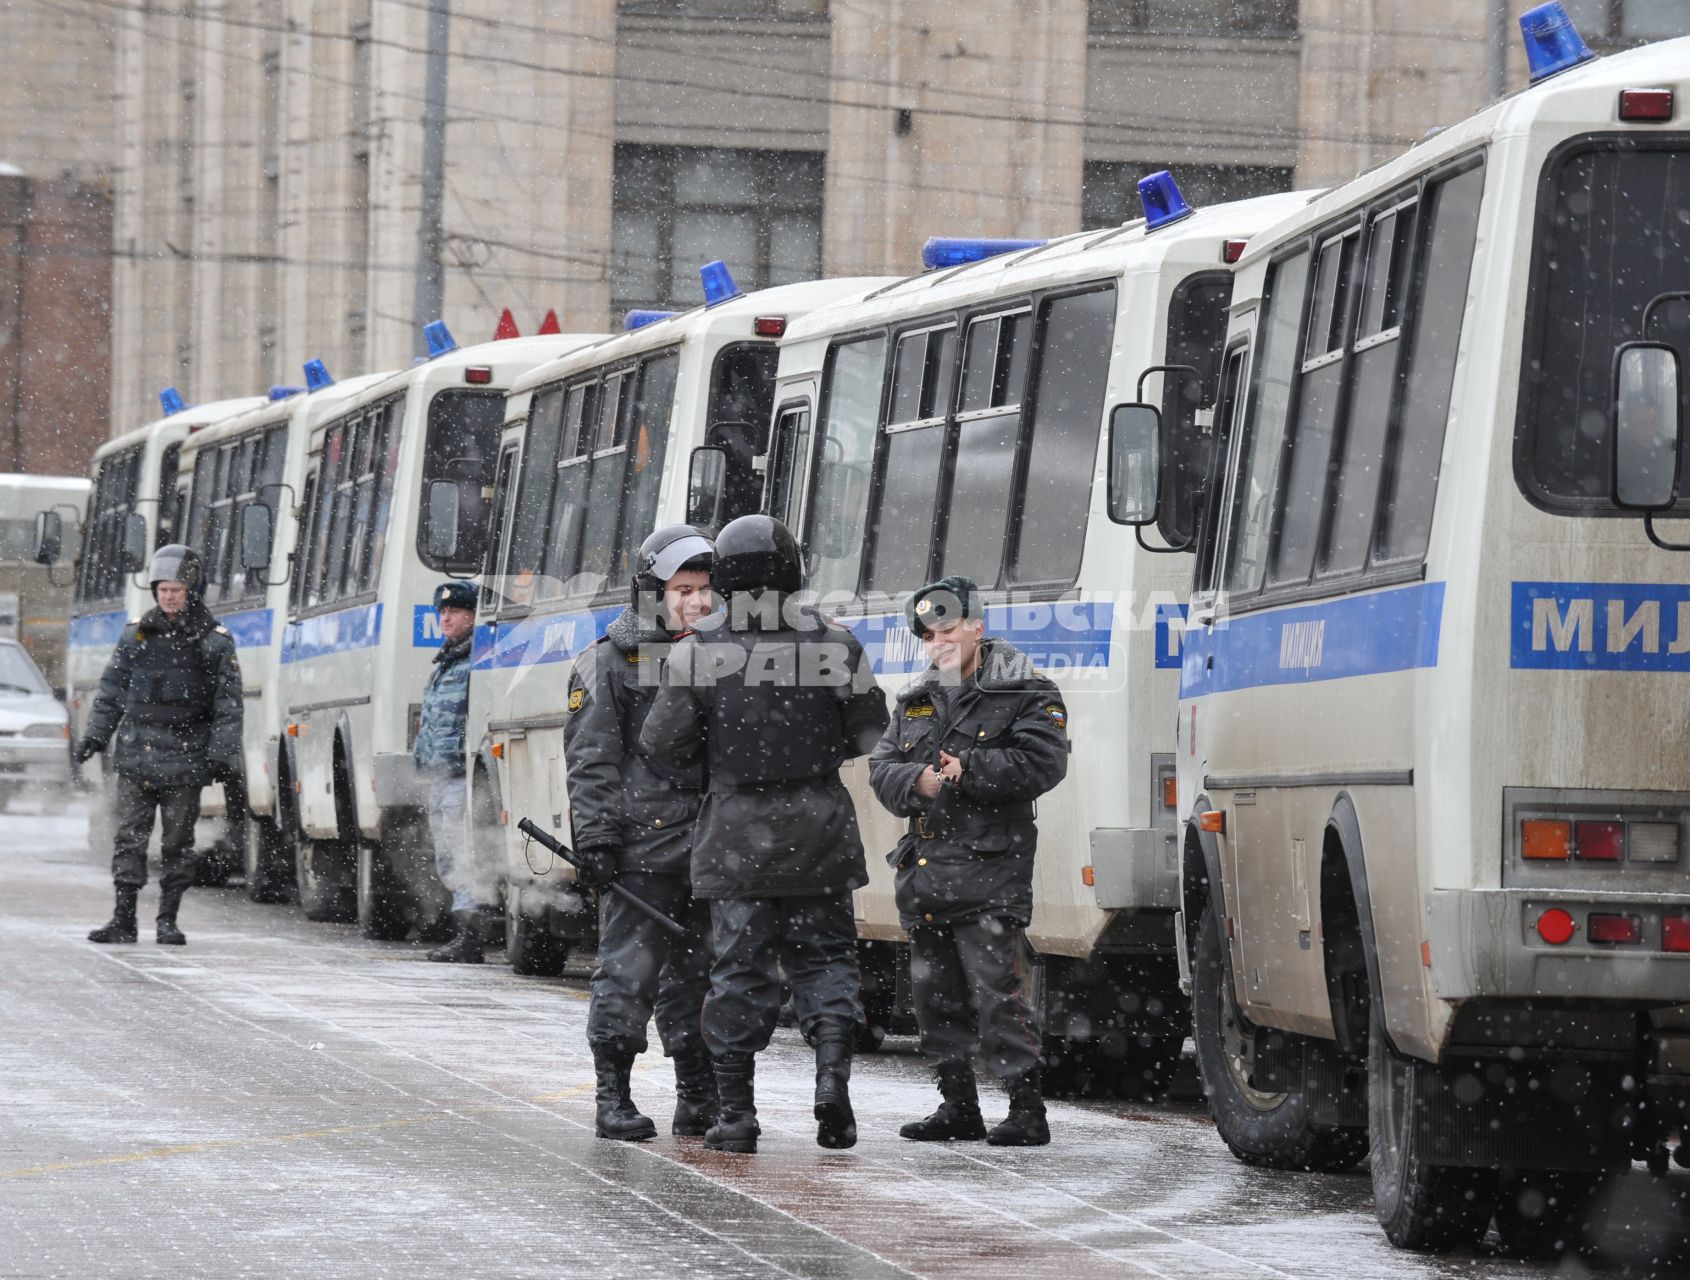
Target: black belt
722 786
978 820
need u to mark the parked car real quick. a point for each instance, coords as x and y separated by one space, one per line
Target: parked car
34 730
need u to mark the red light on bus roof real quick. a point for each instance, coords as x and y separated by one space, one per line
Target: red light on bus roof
478 374
1233 250
769 326
1646 104
1615 929
507 327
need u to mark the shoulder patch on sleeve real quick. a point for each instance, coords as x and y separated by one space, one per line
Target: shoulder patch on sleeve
577 699
1059 713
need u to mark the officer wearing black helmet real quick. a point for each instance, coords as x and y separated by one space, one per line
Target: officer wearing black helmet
633 819
171 695
779 698
974 741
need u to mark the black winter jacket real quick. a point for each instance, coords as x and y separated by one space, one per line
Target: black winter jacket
172 696
618 795
969 852
789 838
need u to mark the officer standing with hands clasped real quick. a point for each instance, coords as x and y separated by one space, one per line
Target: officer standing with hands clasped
633 819
974 741
780 698
172 696
468 871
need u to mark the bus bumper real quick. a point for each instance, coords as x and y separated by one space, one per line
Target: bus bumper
1136 869
1485 944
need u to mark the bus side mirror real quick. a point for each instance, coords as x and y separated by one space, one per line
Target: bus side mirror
1648 427
707 482
49 537
256 525
1135 471
134 546
442 520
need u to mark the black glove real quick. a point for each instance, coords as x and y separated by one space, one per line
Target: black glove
222 771
596 866
87 749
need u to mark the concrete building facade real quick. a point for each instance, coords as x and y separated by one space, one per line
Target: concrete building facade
599 151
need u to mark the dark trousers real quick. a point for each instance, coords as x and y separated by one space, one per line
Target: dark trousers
968 998
645 968
133 803
813 940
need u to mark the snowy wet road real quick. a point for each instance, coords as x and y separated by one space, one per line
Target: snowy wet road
282 1098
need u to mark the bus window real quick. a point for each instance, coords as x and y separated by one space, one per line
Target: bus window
100 576
1257 485
1196 330
199 498
461 448
497 530
604 485
307 514
1613 234
1229 410
166 531
742 393
340 476
648 444
569 488
1077 333
1411 477
906 513
1311 428
994 378
789 449
386 455
535 473
838 507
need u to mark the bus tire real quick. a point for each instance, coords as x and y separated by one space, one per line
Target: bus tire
1271 1130
529 945
1420 1205
383 906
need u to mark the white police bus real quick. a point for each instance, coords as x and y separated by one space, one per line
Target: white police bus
610 433
1437 822
128 517
237 487
951 423
395 498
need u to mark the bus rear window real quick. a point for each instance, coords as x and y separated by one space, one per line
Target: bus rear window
1196 329
462 449
1613 235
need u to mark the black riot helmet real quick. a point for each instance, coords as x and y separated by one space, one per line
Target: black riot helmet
666 552
757 553
176 563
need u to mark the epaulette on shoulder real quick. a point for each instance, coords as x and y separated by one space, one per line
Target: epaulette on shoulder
221 630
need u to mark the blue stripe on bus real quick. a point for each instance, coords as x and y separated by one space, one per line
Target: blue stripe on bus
529 642
1169 636
1361 635
1600 626
90 630
251 628
345 629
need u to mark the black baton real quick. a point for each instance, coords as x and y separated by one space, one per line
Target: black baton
527 827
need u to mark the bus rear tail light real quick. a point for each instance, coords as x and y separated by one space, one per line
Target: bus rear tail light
1615 930
1653 842
1170 792
1556 927
1646 104
1545 840
1675 933
1232 250
1601 841
478 375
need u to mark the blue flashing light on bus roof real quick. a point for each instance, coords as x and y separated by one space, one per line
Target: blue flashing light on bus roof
718 283
317 375
284 393
1162 201
959 251
439 339
171 399
638 319
1553 43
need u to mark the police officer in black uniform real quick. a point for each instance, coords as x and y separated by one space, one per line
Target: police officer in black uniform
633 819
782 697
974 741
172 696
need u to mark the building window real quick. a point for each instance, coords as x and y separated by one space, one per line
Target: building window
1110 196
1199 17
1621 22
677 208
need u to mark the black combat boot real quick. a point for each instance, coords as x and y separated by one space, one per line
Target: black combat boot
696 1106
836 1123
958 1117
617 1116
168 934
737 1128
121 926
1025 1125
465 948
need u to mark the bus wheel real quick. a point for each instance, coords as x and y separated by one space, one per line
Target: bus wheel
1274 1130
325 894
1420 1205
529 945
382 902
1547 1215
